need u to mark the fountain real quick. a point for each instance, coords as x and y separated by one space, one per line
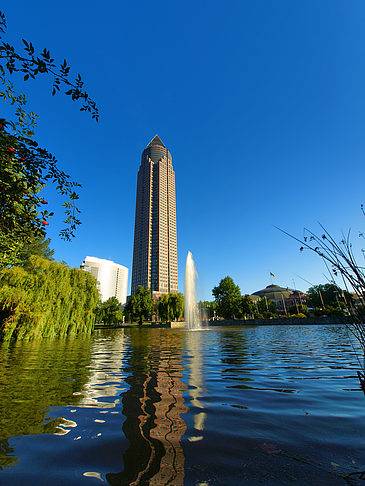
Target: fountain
191 309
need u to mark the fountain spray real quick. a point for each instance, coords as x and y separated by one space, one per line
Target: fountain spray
191 309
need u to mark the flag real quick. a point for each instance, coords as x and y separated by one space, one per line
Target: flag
272 274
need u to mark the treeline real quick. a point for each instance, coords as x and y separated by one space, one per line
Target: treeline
329 299
43 299
142 307
229 303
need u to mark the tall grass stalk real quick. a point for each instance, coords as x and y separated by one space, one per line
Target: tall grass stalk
342 264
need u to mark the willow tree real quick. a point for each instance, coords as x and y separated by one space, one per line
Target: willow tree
170 307
47 299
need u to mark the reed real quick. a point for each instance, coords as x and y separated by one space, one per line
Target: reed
342 264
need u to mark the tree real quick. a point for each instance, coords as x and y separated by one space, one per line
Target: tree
176 304
170 307
47 299
140 305
33 64
247 307
208 309
37 245
25 168
267 307
129 309
227 295
109 311
327 295
163 307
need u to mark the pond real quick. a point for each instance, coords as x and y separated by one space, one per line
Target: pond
223 406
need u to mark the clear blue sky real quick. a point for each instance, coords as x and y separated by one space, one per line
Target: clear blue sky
261 104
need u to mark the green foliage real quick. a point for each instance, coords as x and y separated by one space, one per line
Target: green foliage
228 296
32 64
247 307
25 168
295 310
176 303
208 309
163 308
332 295
36 376
267 307
170 307
129 310
262 308
47 299
109 311
335 310
139 305
331 310
37 245
318 311
119 315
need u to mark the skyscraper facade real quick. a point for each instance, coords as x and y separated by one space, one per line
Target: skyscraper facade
155 238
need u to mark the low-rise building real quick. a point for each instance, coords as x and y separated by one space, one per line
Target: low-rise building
282 297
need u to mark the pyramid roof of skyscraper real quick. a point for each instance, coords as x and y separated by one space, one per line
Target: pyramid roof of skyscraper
156 141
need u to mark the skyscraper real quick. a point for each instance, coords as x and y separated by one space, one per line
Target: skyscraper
155 243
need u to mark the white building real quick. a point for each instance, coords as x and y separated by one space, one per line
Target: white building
112 277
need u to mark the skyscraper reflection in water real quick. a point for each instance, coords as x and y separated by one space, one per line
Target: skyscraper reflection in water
153 405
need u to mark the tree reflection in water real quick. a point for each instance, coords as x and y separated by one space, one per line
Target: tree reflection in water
34 377
153 405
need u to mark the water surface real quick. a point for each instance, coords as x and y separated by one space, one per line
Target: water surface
225 406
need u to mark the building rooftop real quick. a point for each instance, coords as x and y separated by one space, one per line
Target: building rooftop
156 141
102 261
274 292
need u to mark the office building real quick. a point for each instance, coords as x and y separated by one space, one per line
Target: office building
155 238
112 277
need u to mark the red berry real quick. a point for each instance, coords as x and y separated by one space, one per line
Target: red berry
44 202
11 149
22 159
44 222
